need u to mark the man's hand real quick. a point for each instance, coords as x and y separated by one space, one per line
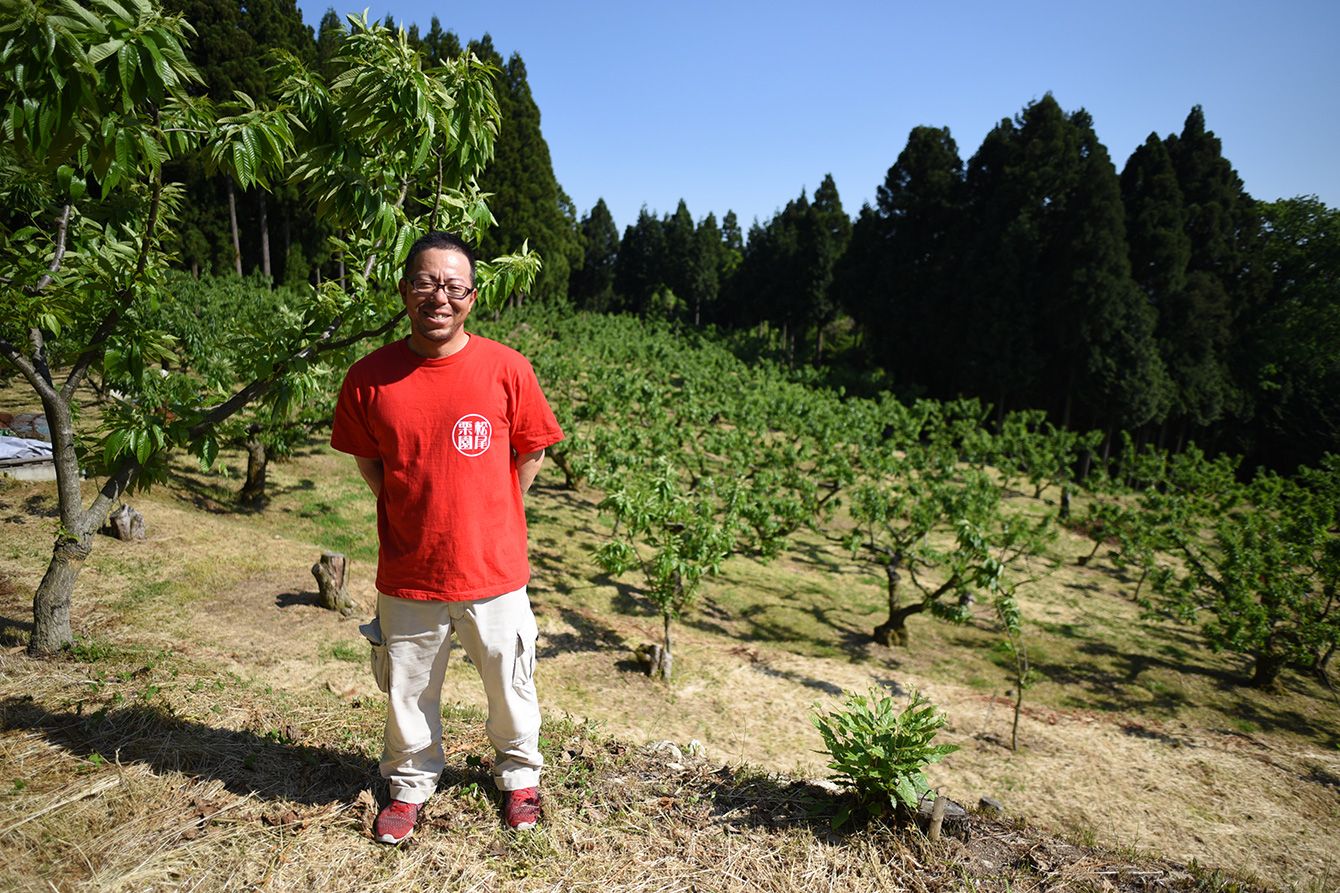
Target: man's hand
527 466
372 471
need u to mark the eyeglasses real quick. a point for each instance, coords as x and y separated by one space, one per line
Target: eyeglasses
426 288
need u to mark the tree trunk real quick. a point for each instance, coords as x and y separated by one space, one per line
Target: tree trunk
253 491
1139 584
74 543
1266 670
331 579
265 236
1064 514
232 219
51 602
560 458
1322 667
662 667
894 630
1099 536
1018 708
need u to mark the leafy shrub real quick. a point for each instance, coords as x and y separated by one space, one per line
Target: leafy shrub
882 754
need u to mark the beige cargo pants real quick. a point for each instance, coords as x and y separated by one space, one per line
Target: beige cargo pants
498 634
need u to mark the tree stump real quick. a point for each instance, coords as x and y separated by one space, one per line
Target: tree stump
126 524
655 660
331 572
944 816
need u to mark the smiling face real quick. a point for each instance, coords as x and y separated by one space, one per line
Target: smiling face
437 321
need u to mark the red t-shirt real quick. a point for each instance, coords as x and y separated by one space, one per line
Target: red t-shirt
450 518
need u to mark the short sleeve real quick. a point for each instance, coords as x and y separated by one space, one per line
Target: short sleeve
533 424
350 433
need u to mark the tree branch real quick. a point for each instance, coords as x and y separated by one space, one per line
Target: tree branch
155 205
40 354
260 386
366 333
399 203
62 232
23 364
111 491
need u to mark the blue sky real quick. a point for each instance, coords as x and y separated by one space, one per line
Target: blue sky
741 105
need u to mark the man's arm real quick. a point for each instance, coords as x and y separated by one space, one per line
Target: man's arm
527 466
372 471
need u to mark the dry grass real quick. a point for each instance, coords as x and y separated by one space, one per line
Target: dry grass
220 732
124 789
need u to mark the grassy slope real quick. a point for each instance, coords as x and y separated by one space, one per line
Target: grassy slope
222 686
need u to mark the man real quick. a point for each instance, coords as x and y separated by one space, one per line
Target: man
449 430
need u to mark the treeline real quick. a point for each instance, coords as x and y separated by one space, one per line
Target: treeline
271 230
1162 300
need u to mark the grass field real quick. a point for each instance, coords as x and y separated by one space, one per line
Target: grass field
226 716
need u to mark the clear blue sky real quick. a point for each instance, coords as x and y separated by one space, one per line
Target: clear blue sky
741 105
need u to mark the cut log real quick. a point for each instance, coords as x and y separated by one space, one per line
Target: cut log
331 572
126 524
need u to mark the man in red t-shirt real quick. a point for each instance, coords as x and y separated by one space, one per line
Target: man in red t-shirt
449 430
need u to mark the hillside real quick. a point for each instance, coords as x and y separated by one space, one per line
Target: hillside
216 730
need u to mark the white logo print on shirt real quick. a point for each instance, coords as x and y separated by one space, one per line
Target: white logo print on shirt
472 435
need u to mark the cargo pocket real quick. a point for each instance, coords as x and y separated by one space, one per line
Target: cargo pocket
523 668
381 661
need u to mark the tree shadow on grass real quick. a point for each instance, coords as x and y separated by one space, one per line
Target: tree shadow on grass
760 623
14 632
1128 666
820 685
245 762
219 500
818 556
589 635
1256 713
294 598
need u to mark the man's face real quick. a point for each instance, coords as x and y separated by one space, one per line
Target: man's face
435 319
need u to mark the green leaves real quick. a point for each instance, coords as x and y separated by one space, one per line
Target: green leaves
882 755
251 144
70 73
1260 569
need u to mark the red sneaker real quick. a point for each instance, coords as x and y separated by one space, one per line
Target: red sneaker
521 809
395 823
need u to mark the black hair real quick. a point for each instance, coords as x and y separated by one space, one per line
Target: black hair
439 239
